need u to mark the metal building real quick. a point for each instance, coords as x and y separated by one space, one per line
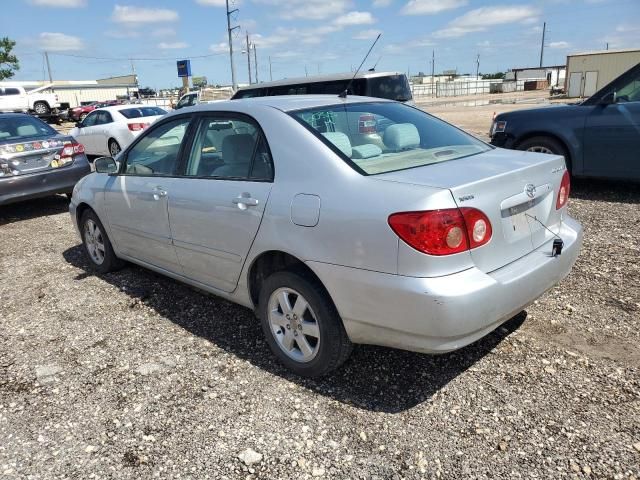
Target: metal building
590 71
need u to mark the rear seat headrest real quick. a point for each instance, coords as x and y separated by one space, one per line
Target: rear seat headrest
340 141
401 136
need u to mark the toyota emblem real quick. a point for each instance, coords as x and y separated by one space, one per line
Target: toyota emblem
530 190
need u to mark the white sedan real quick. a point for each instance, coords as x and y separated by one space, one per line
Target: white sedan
106 131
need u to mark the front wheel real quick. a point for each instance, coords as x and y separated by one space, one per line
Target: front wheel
301 325
544 144
97 244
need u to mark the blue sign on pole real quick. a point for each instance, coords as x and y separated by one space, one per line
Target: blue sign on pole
184 68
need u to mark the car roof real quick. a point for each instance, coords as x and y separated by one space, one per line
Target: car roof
285 103
319 78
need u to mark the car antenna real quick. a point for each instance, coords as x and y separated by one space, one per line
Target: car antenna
346 90
373 69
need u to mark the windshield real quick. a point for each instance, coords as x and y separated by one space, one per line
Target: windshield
384 137
393 87
142 112
22 127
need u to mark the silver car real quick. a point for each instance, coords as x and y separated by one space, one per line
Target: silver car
339 221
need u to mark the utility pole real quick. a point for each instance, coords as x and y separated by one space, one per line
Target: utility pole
255 60
433 69
249 57
230 30
270 72
477 71
46 57
607 46
306 72
544 29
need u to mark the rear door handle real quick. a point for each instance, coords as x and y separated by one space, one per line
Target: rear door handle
158 193
244 201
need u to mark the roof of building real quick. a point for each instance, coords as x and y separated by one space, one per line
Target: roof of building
603 52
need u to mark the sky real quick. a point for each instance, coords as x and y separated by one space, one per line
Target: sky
91 39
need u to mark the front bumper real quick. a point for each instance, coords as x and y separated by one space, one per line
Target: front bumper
502 140
50 182
437 315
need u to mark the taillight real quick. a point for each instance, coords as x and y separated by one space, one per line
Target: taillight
136 127
367 124
563 193
70 150
442 232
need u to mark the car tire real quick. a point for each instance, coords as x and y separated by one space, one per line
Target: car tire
114 147
543 144
82 117
308 338
97 245
41 108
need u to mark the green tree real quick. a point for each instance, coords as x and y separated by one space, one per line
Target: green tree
199 82
493 76
8 62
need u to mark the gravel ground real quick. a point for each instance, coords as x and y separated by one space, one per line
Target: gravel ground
131 375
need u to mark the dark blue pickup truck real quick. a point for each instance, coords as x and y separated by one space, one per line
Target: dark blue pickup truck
599 137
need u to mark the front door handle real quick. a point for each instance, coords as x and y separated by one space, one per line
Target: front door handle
244 201
158 193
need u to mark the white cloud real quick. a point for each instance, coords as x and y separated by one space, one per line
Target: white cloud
367 34
164 32
430 7
308 9
59 42
248 25
219 47
122 33
481 19
213 3
129 15
381 3
172 45
354 18
278 38
559 45
59 3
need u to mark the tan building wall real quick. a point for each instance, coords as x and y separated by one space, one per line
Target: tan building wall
589 72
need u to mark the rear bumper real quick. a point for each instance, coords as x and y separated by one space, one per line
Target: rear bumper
26 187
437 315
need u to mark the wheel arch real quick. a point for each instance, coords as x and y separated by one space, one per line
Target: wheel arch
272 261
544 133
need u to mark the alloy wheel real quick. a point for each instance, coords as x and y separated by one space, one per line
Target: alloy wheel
294 325
114 148
94 241
539 149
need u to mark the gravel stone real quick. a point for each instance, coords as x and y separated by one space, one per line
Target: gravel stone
249 456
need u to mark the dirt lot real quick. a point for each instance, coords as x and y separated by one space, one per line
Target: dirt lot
132 375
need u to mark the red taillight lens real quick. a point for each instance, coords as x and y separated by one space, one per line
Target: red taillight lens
442 232
136 127
563 193
69 151
367 124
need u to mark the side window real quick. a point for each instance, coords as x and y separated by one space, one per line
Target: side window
91 120
225 147
157 152
630 92
104 118
11 91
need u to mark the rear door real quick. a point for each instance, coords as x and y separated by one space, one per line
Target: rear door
137 198
216 208
87 133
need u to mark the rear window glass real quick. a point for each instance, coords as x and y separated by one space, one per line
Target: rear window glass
139 112
385 137
393 87
21 127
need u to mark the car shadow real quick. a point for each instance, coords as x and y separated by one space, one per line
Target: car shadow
605 190
374 378
28 209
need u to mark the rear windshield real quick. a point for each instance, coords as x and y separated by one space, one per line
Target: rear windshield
139 112
22 127
384 137
393 87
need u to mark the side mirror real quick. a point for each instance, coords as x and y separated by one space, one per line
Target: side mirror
608 99
105 165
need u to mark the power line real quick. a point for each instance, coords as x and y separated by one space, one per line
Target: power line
135 59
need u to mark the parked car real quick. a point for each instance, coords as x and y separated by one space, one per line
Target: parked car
106 131
389 85
599 137
14 98
427 243
35 160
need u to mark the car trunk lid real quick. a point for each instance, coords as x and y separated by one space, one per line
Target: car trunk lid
34 156
516 190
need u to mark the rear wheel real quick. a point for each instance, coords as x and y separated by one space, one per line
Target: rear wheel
97 244
114 148
301 325
543 144
41 108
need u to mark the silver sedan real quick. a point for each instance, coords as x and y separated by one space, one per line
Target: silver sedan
339 221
